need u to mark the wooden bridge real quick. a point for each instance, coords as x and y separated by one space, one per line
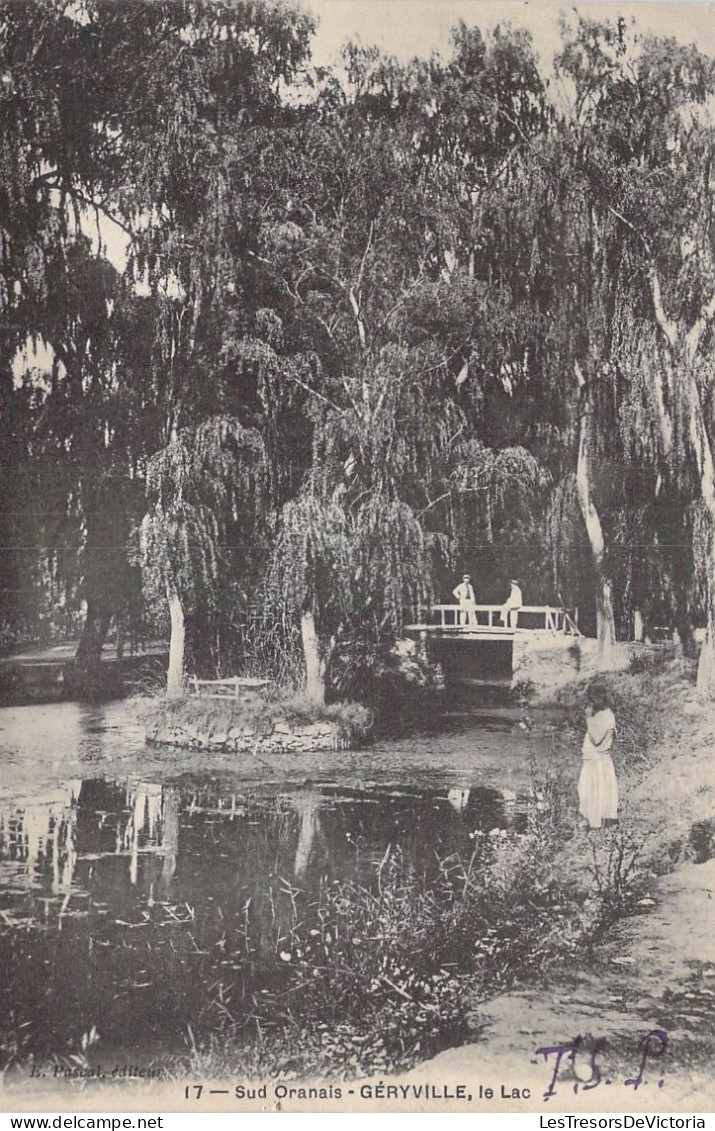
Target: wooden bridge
484 621
475 647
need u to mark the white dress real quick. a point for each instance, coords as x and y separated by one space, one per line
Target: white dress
597 785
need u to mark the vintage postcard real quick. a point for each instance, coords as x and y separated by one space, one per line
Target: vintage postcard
357 569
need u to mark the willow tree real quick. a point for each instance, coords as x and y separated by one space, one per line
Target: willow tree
645 139
127 124
369 278
326 568
202 485
351 546
592 214
393 472
57 297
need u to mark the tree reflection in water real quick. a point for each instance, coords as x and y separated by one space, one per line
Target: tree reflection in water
128 906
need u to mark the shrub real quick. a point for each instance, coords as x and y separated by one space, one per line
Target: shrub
702 838
649 660
640 714
617 876
522 691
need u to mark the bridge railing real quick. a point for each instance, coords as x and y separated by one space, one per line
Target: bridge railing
548 617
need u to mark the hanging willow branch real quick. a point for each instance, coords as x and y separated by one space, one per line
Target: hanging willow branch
204 479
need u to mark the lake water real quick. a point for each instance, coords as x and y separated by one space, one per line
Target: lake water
144 890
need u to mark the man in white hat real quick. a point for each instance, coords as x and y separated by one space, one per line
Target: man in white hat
465 595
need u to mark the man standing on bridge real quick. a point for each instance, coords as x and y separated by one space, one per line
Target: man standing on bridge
510 611
465 595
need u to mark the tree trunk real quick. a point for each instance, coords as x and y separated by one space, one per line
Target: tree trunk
706 664
175 675
638 626
120 624
605 619
314 666
702 445
683 348
684 625
96 626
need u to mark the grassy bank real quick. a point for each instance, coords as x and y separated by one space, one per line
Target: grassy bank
648 965
378 978
663 753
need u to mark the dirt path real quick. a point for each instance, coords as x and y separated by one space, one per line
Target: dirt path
65 653
655 973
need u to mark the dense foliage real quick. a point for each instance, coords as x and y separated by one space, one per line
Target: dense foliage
335 337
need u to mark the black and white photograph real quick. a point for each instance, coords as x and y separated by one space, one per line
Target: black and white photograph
357 556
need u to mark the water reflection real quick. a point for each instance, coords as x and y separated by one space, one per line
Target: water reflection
307 806
125 904
458 799
38 839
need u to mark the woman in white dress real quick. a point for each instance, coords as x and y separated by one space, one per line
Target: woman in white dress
597 785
